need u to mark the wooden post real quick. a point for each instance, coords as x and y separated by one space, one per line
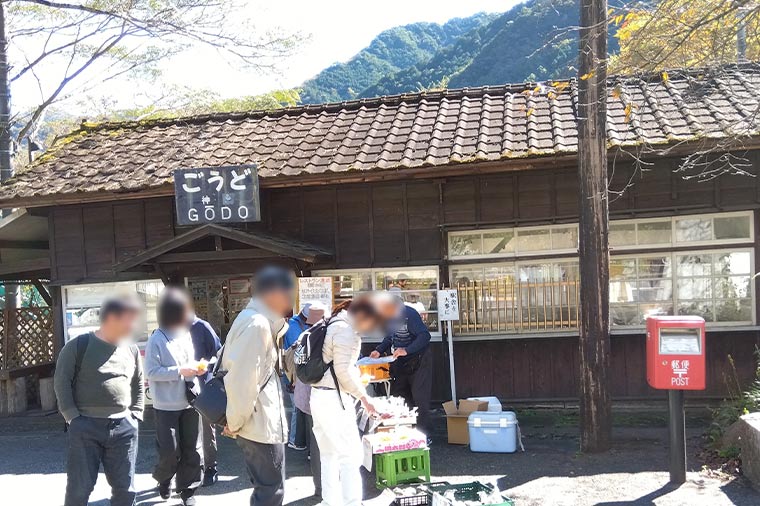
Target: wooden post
595 408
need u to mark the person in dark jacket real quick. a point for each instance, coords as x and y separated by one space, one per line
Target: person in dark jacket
206 344
408 339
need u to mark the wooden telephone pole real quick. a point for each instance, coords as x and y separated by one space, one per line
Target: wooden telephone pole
595 404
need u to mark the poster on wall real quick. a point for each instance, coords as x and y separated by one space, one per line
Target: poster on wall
240 286
448 305
217 195
315 289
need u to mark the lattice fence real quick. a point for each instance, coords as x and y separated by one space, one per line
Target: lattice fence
28 341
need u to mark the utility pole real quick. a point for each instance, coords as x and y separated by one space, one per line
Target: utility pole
6 168
594 340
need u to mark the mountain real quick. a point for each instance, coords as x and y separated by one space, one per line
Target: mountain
533 41
393 50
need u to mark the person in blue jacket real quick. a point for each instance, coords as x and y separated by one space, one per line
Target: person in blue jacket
206 345
310 314
408 339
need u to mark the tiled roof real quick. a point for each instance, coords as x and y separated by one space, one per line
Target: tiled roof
427 129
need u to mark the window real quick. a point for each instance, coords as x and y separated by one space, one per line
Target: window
514 241
519 294
702 230
640 287
82 305
418 287
716 286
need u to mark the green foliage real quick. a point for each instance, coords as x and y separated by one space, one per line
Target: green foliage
395 49
738 402
531 42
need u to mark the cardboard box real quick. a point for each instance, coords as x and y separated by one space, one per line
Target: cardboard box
456 419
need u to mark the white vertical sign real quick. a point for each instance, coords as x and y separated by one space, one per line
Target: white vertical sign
448 305
315 289
448 311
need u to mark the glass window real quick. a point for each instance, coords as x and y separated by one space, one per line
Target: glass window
625 234
565 238
640 287
533 240
82 305
693 230
348 284
732 227
654 232
622 234
418 287
716 286
462 245
498 242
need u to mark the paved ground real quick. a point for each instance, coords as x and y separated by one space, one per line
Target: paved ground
550 472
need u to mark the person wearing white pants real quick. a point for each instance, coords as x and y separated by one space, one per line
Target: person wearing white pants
332 409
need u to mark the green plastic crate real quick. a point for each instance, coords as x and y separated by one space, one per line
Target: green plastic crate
402 467
462 492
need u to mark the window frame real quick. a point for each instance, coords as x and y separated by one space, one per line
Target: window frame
373 271
674 243
672 250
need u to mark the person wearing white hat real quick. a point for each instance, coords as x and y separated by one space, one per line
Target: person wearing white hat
310 313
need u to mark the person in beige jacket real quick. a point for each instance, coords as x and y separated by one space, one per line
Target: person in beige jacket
335 427
255 410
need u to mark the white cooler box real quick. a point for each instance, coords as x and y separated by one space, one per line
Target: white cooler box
493 432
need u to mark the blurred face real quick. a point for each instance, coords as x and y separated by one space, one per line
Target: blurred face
279 301
121 327
389 307
365 324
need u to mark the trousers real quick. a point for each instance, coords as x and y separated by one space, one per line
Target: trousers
179 448
95 441
340 447
266 469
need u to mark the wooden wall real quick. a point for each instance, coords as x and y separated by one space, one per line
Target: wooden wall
388 224
404 223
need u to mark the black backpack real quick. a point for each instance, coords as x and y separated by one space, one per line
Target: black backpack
309 362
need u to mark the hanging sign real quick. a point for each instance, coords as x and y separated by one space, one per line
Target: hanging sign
448 305
315 289
217 195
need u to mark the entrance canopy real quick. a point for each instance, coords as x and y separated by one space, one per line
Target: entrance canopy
216 245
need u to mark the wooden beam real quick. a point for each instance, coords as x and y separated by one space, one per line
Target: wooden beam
273 245
213 256
24 266
13 244
43 292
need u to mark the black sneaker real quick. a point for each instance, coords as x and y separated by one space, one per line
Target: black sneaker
210 476
165 489
187 497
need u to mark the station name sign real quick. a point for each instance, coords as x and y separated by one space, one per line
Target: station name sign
217 195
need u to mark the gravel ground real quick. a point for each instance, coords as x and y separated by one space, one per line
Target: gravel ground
550 472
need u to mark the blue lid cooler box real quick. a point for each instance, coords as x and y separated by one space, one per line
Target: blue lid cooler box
493 432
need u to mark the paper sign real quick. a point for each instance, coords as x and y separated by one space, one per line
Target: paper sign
448 305
315 290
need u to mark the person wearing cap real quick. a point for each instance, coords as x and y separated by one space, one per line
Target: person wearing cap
408 339
99 386
310 314
255 410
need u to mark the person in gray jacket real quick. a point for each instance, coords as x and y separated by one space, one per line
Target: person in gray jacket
99 386
171 370
255 410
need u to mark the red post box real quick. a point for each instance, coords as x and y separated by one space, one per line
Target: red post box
676 352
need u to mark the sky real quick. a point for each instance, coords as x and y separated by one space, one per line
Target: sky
334 30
